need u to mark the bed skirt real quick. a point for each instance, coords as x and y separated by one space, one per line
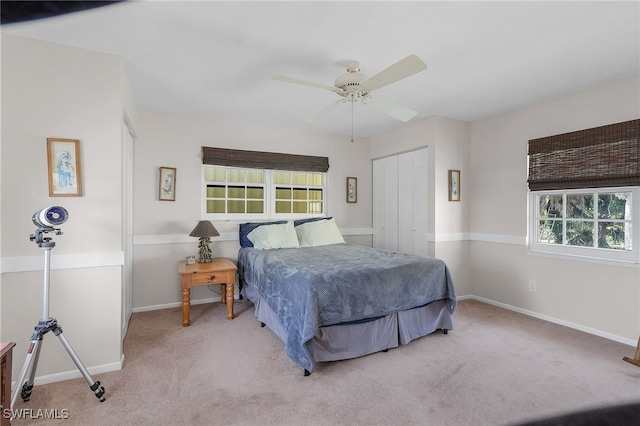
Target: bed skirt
352 340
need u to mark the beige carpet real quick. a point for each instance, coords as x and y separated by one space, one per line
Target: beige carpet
496 368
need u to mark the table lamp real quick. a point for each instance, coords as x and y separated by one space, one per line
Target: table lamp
204 230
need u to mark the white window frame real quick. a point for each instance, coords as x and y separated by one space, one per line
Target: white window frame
613 255
269 198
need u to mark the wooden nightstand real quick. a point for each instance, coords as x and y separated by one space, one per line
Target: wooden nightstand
219 271
5 380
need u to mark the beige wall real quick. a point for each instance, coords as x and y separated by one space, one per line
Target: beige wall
483 237
161 227
50 90
54 91
448 222
600 298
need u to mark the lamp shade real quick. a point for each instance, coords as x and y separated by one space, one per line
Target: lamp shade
204 228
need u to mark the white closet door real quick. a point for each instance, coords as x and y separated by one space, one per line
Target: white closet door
127 228
406 184
412 202
385 203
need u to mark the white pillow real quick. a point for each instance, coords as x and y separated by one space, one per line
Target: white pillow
319 233
274 236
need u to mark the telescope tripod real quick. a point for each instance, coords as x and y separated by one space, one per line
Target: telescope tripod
45 325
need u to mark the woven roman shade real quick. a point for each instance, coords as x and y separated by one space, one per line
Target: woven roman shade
606 156
263 160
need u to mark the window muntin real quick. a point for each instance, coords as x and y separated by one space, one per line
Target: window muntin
236 193
298 193
591 222
233 191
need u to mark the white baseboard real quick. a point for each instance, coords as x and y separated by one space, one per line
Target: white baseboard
74 374
533 314
554 320
106 368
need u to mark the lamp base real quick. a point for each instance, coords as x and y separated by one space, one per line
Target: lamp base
204 251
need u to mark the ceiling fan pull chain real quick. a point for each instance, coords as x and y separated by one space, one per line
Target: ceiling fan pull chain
351 122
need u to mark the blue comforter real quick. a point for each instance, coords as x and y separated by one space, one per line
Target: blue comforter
311 287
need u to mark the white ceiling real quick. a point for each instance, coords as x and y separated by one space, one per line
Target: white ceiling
213 58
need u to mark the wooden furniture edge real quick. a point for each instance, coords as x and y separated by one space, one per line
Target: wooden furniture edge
6 355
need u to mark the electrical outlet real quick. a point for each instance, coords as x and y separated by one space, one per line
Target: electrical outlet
533 287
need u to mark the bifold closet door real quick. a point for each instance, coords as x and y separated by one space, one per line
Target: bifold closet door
400 202
412 202
385 203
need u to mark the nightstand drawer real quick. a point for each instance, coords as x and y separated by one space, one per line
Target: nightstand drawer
209 278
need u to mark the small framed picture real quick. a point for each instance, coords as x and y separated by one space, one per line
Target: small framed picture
352 190
167 190
63 161
454 185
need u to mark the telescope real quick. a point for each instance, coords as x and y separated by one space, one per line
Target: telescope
47 220
50 217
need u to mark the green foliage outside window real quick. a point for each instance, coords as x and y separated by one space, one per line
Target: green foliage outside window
571 219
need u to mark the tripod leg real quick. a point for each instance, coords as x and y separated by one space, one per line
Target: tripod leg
30 363
94 386
28 386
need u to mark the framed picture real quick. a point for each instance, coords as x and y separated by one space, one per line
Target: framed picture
352 190
63 163
454 185
167 190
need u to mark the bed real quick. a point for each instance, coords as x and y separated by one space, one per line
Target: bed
328 300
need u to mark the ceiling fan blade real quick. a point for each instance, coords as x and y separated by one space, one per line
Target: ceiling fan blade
401 69
305 83
390 108
328 110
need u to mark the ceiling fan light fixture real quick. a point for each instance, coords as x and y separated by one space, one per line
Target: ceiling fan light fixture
349 81
353 66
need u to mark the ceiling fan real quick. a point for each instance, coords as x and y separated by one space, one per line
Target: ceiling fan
355 86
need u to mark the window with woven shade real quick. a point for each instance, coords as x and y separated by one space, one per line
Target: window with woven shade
258 185
263 160
585 193
605 156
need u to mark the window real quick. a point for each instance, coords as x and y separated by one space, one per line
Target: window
585 192
258 185
243 193
298 192
588 222
234 191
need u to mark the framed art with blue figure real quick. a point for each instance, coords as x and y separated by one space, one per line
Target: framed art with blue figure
352 190
454 185
63 161
167 191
